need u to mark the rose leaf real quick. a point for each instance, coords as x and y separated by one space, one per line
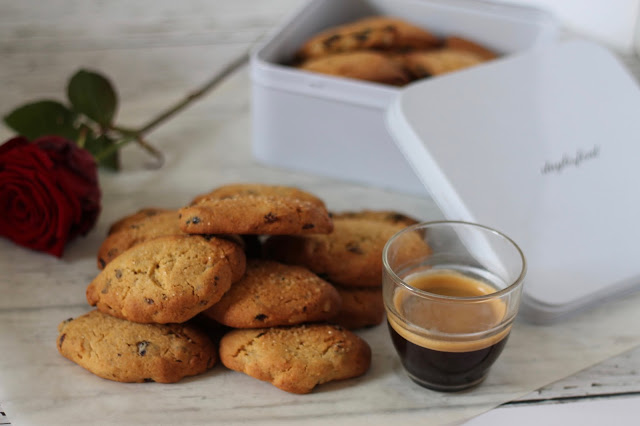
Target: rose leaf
42 118
93 95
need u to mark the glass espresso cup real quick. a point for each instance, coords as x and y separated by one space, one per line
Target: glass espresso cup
451 292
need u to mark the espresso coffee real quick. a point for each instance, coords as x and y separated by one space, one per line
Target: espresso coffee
463 337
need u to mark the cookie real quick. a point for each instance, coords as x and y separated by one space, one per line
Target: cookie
350 256
362 65
388 216
256 209
461 43
141 226
132 219
126 351
296 359
375 32
438 62
361 307
167 279
272 294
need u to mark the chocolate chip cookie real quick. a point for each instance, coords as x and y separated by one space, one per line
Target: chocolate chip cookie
362 65
438 62
167 279
141 226
374 32
296 359
126 351
256 209
350 256
134 218
272 294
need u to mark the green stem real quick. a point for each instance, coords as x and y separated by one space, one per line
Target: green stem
114 147
152 150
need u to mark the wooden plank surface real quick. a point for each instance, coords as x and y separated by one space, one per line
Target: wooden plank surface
42 43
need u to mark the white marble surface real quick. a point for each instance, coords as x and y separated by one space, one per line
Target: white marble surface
156 52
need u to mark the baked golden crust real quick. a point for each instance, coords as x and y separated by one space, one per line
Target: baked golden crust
272 294
167 279
350 256
438 62
361 307
362 65
134 229
461 43
134 218
125 351
255 209
374 32
296 359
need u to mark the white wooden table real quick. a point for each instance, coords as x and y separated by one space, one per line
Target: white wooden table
155 52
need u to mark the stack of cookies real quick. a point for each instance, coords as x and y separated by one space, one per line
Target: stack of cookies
282 280
387 50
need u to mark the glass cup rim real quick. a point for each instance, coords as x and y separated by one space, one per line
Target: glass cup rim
425 294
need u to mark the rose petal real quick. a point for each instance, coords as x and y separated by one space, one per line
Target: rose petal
49 192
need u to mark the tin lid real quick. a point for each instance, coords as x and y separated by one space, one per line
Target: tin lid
542 146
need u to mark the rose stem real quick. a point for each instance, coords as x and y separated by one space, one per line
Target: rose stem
136 134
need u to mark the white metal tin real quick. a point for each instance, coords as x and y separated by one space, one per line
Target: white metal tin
335 127
542 146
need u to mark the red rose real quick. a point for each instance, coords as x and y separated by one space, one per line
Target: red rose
49 192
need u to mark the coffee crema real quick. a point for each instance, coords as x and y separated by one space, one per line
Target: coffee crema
454 326
460 339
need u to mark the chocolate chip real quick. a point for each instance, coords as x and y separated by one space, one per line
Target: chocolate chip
353 247
261 317
134 226
106 287
397 217
102 263
270 218
149 301
194 220
61 339
118 273
362 35
204 302
142 347
113 252
308 226
330 40
149 380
